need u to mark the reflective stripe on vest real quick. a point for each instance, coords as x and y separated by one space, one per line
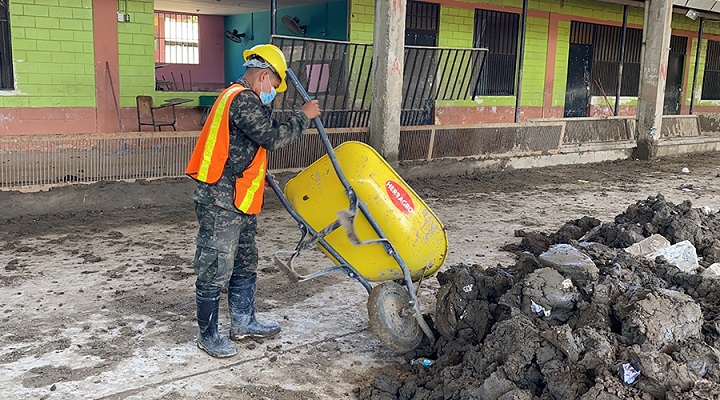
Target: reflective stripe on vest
211 152
250 188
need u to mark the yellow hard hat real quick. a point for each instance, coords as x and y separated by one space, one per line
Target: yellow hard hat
273 56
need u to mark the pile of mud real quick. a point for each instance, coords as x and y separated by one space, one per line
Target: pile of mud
578 317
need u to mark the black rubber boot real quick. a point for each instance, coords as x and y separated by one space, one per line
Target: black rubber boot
241 301
208 302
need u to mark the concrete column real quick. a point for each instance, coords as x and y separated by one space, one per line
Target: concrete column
107 95
653 74
387 77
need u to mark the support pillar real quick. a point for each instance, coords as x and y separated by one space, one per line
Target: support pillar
107 80
273 17
653 74
387 77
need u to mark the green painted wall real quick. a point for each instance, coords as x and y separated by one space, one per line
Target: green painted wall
561 64
136 52
53 56
713 28
136 57
457 30
362 17
456 27
54 61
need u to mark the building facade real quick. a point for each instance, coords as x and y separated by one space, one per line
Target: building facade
76 66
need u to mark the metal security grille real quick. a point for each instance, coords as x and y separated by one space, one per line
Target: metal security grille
421 23
498 32
605 41
422 16
437 73
711 77
678 44
338 75
177 38
6 66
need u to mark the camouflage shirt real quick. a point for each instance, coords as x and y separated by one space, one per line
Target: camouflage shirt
251 126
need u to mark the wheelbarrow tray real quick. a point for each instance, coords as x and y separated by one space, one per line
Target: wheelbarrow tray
410 225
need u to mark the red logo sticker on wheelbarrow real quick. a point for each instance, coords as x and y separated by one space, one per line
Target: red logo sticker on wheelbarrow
400 197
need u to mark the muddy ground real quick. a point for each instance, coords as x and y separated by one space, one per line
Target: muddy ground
96 284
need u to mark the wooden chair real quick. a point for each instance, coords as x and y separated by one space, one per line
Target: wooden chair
146 114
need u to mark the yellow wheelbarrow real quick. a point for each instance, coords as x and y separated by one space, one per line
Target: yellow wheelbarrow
373 226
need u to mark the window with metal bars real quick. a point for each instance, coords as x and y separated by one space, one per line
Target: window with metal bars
6 67
498 32
711 77
605 41
421 23
176 38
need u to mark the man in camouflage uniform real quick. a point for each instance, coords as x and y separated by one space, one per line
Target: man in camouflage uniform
226 254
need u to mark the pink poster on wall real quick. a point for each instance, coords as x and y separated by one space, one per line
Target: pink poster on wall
318 76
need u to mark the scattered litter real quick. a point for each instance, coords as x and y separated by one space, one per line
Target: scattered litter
707 210
687 189
425 362
686 170
468 288
538 309
567 284
583 181
630 374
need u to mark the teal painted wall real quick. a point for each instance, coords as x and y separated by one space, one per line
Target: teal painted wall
328 18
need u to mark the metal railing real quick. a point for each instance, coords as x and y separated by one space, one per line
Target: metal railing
52 160
39 162
338 75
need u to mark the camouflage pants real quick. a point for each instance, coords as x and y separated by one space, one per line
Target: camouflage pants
225 246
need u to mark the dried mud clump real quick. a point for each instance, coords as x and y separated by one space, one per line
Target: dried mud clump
577 320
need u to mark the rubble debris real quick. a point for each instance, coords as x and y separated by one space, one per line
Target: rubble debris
588 313
712 272
682 255
649 245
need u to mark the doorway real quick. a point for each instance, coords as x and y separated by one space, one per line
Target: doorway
673 84
577 92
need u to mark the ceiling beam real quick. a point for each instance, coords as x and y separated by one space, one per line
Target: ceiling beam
676 9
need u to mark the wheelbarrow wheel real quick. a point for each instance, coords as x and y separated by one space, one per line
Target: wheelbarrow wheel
391 317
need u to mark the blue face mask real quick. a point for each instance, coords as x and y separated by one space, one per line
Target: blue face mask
267 98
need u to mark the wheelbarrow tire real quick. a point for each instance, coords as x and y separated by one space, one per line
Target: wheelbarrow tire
391 319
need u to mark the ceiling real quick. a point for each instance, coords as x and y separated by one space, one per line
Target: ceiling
708 9
231 7
699 5
226 7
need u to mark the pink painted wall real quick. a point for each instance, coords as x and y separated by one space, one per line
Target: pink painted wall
209 75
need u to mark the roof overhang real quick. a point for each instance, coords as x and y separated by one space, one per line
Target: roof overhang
708 9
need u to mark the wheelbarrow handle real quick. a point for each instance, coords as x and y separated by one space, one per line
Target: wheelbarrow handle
323 135
293 78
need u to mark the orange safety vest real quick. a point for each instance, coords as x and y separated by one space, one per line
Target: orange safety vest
208 159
